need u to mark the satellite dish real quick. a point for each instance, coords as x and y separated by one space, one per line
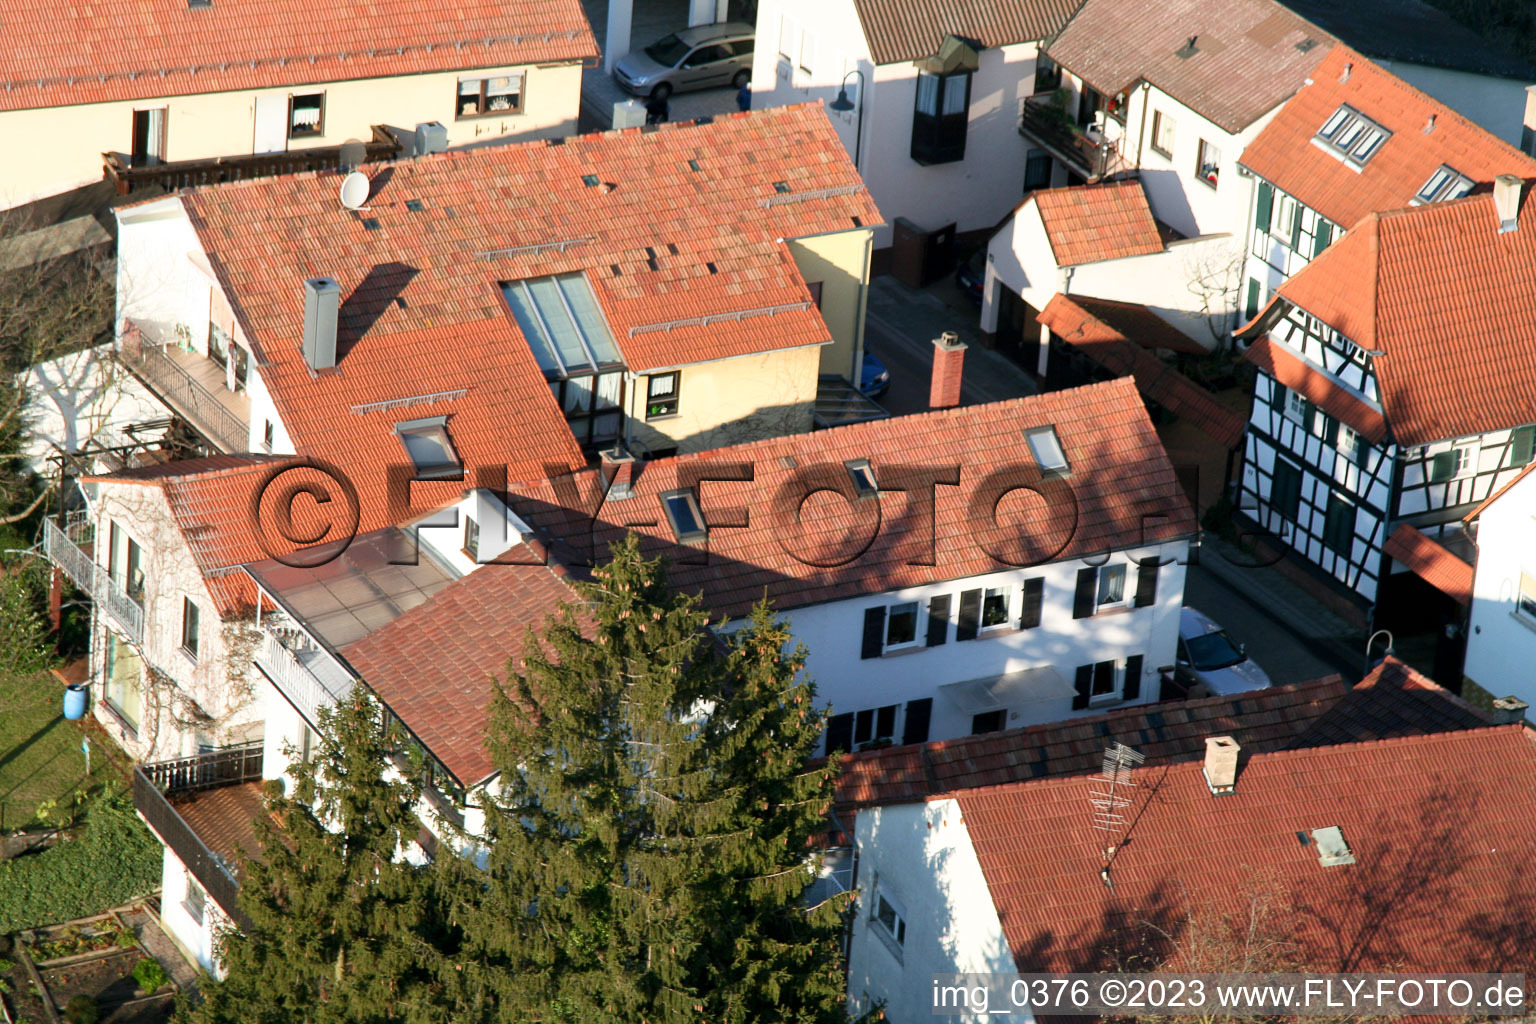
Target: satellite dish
354 190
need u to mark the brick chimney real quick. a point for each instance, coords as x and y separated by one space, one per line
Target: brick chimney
1509 710
1221 764
618 473
1506 201
948 362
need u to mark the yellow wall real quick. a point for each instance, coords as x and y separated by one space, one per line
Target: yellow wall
56 149
731 401
841 263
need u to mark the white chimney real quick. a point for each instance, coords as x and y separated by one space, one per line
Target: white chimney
1221 764
1509 710
322 300
1506 201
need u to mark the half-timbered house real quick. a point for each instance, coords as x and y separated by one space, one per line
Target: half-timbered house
1397 387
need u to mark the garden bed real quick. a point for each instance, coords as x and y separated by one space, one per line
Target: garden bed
96 960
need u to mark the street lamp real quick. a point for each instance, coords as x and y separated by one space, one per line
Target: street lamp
843 104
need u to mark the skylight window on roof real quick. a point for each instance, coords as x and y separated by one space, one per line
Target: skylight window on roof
687 522
693 165
781 186
561 321
1046 448
863 476
430 448
1332 849
1352 135
1442 185
589 180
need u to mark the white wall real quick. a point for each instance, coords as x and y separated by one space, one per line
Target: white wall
921 855
1498 104
1498 641
196 939
1020 259
500 529
833 633
80 397
975 193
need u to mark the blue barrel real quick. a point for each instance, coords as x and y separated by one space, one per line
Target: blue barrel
76 699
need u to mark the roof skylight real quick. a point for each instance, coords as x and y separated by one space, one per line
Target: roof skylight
1444 184
1046 448
683 515
863 476
1352 135
561 321
1332 849
430 448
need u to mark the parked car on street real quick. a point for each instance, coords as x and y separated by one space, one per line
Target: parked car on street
874 378
1210 663
695 58
971 275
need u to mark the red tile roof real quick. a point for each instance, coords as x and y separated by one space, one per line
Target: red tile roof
1283 153
1120 492
1246 61
1088 223
1393 700
1443 829
422 312
1080 322
1431 561
1298 375
906 30
58 53
434 664
211 500
1446 299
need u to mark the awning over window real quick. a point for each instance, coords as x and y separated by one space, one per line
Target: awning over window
955 54
975 696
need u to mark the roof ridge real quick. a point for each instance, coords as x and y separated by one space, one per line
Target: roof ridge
1321 750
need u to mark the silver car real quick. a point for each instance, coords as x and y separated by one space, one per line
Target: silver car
695 58
1210 663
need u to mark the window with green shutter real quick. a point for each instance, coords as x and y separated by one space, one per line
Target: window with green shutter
1265 206
1522 445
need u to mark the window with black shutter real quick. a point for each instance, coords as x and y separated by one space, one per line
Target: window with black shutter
1080 687
918 714
970 615
940 116
840 732
988 721
938 620
1132 688
1087 586
1034 599
874 632
1146 582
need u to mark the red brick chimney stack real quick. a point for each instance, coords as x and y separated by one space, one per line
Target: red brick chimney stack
948 362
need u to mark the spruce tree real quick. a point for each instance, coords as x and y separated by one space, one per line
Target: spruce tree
338 921
646 850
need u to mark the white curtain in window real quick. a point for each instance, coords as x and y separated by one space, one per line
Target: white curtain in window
927 93
306 116
954 94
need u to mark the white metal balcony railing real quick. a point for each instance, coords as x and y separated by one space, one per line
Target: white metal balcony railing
307 675
94 580
151 362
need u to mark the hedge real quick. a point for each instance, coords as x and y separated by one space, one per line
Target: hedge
112 860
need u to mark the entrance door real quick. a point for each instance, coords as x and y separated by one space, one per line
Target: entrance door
271 124
148 138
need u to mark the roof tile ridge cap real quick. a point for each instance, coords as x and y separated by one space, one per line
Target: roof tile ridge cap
1443 110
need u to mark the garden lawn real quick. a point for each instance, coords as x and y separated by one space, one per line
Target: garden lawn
40 757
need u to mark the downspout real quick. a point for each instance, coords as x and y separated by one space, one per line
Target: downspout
863 300
1141 130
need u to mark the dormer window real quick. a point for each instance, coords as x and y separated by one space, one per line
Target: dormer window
1444 184
683 515
863 476
430 448
1352 135
1046 448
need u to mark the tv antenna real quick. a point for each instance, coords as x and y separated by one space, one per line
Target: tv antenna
355 188
1109 793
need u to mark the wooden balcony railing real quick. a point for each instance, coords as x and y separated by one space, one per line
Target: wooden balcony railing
223 767
179 389
168 177
1046 124
213 873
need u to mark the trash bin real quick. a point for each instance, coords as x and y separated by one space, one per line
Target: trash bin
919 256
76 699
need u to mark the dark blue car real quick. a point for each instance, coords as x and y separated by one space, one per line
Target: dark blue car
971 275
874 379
